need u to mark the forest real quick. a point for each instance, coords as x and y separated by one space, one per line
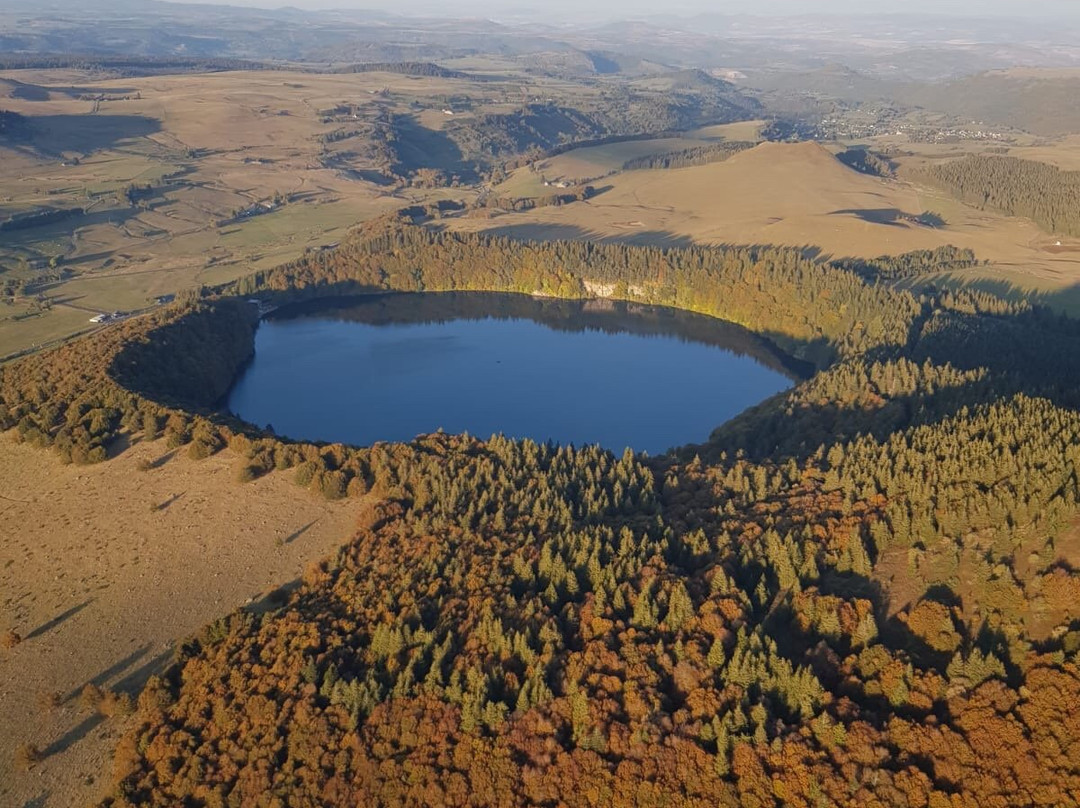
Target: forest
1039 191
868 162
579 194
913 264
861 592
494 143
128 66
619 113
812 310
684 158
428 69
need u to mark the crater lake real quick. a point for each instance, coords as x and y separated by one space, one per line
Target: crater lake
390 367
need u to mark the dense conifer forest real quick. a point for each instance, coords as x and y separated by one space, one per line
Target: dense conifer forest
428 69
913 264
866 161
814 311
860 592
684 158
1039 191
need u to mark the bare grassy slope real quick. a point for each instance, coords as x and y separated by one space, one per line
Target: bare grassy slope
103 568
793 194
772 194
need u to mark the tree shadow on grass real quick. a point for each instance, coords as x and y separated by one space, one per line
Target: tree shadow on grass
87 133
120 444
298 533
535 231
27 92
161 461
116 669
886 216
527 231
74 735
654 238
131 681
165 505
893 217
274 599
60 618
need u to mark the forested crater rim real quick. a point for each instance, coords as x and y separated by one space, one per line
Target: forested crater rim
193 359
168 371
841 313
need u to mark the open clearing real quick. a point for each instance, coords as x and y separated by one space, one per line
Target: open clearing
1064 153
104 568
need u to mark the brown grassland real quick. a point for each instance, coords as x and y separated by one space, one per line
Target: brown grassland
104 568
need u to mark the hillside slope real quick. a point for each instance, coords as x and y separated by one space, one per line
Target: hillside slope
790 194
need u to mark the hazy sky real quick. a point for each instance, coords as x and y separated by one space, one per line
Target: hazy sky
507 9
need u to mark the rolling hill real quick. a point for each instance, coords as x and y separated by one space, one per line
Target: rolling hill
792 194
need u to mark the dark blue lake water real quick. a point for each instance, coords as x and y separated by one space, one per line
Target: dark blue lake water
388 368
